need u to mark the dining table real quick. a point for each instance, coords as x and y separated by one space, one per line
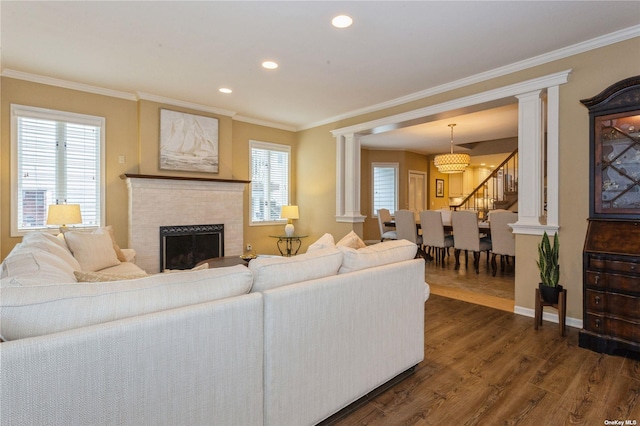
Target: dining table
483 226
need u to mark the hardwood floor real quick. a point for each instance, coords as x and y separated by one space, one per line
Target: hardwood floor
464 284
484 366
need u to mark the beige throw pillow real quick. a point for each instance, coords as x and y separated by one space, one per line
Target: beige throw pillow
351 240
93 251
98 277
116 247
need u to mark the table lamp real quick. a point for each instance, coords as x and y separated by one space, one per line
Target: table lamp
289 213
63 215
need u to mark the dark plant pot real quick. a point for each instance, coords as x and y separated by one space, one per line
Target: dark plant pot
550 294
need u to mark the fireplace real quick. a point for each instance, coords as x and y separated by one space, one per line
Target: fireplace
182 247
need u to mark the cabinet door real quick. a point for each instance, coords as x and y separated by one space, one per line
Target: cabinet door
617 163
455 185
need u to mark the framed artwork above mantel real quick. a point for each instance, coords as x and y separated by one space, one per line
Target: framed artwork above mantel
188 142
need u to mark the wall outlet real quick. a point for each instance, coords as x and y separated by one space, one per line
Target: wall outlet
249 247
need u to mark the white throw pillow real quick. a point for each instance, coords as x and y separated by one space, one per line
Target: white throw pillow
94 251
351 240
37 268
376 255
325 241
272 272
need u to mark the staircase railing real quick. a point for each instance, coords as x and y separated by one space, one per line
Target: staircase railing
498 191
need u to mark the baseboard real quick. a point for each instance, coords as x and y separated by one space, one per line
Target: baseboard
547 316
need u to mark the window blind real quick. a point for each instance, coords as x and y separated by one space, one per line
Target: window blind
385 188
269 180
58 162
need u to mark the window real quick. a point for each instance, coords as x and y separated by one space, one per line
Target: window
385 187
57 159
269 181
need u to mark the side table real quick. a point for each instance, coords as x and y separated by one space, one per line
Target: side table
286 244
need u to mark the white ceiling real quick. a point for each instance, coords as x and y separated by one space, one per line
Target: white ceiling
394 51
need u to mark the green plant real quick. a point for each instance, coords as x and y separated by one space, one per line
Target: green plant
548 261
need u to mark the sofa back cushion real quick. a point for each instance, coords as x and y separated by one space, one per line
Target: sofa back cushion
40 259
272 272
376 255
35 311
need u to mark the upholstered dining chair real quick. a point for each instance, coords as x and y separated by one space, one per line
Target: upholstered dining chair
386 233
407 230
466 236
503 241
433 234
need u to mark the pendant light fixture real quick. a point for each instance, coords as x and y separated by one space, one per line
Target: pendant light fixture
452 163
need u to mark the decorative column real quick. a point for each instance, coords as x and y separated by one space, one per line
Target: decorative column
348 178
530 150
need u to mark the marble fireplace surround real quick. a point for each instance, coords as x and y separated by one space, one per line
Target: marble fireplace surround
156 201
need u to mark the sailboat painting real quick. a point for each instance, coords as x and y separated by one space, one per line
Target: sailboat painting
188 142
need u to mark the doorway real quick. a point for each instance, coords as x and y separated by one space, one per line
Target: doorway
417 190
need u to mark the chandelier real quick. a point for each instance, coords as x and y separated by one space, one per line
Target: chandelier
452 163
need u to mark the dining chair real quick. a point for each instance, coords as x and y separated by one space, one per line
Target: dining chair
433 234
466 236
407 230
503 241
386 233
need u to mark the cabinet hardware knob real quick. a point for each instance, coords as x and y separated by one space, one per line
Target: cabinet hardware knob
597 279
597 300
597 323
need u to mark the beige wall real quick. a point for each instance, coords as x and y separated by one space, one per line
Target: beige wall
121 137
315 157
406 161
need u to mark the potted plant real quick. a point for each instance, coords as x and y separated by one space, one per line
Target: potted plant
549 269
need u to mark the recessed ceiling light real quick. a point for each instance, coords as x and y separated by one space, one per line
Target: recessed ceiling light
342 21
270 65
225 90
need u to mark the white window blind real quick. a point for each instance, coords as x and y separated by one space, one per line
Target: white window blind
269 180
57 161
385 187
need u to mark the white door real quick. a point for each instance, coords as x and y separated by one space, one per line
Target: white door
417 191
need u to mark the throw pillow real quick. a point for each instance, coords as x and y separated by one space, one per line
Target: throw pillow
351 240
98 277
325 241
116 247
94 251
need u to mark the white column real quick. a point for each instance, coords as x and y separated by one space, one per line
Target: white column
348 179
553 153
530 177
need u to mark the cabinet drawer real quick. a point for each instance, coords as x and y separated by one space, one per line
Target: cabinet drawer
616 327
619 304
613 265
603 281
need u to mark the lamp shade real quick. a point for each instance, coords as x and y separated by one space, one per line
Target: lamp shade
452 163
64 214
289 212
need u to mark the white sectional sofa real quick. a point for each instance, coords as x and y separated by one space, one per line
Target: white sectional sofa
286 341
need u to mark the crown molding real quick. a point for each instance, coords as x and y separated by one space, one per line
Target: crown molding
615 37
265 123
57 82
491 95
184 104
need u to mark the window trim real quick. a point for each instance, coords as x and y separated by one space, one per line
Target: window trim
396 167
272 147
56 115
